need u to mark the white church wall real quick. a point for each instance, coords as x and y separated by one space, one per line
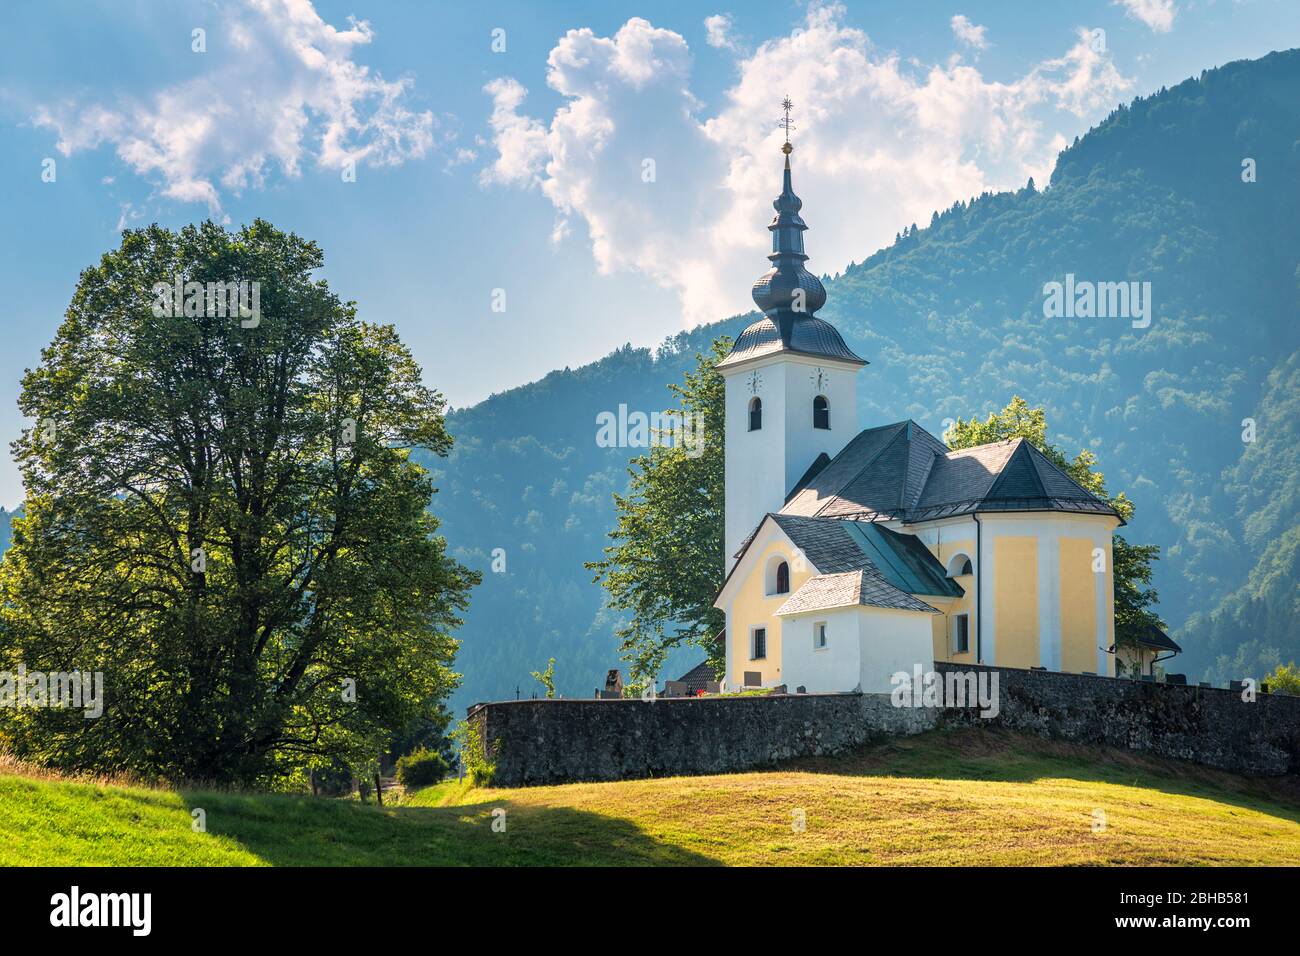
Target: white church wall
832 669
762 466
754 461
892 641
865 647
805 379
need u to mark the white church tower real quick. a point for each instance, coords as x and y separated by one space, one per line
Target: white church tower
791 381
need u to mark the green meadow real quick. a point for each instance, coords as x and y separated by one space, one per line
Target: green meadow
972 798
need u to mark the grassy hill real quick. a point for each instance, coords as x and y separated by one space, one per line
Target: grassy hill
975 797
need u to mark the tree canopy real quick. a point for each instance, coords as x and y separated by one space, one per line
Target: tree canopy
666 566
223 518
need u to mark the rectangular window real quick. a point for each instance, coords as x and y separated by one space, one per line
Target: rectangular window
819 635
759 651
961 634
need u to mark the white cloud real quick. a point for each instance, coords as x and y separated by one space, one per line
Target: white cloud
880 144
126 213
520 141
459 158
1157 14
1090 83
717 32
969 33
293 91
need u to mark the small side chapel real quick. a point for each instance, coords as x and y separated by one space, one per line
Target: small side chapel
853 554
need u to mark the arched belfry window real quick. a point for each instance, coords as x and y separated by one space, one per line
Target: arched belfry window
821 412
776 576
755 414
959 565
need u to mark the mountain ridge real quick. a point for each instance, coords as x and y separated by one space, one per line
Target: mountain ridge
951 318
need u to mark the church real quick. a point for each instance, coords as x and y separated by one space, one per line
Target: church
854 554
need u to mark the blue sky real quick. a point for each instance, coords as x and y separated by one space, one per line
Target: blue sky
524 169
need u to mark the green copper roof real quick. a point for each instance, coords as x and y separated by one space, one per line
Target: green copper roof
902 559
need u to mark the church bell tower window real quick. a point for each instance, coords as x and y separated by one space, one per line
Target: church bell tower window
821 412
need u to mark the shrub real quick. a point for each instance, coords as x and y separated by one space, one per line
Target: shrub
1285 679
421 768
473 755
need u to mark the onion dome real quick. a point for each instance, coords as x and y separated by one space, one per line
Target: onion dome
788 294
775 290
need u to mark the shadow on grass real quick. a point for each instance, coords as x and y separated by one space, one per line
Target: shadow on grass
317 831
1001 755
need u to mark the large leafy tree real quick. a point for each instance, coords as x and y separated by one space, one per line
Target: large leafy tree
665 566
223 517
1134 595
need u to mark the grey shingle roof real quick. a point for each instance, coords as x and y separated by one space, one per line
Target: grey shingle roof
1154 637
826 543
805 334
820 462
857 455
849 588
698 677
902 471
897 565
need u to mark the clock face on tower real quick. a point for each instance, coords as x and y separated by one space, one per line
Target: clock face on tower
819 378
755 382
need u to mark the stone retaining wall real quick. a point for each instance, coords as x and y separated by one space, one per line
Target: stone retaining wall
556 741
1205 725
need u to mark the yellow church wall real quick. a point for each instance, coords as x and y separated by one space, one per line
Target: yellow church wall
939 635
752 607
962 605
942 623
946 549
1108 607
1078 605
1015 596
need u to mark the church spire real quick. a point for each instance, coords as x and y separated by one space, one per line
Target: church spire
788 294
789 290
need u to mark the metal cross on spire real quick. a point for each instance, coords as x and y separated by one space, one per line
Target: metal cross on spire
786 125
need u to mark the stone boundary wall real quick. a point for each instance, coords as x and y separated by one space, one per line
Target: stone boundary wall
559 741
1205 725
536 742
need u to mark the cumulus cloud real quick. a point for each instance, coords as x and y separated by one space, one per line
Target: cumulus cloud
1085 80
880 144
520 141
1157 14
281 85
969 33
717 32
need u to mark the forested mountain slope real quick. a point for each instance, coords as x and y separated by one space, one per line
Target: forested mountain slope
951 317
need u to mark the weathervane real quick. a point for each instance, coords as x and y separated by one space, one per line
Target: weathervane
786 125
